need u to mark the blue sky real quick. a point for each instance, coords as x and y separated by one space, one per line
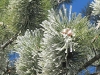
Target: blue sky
90 69
13 56
78 5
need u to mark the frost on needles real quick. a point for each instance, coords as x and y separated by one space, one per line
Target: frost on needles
64 47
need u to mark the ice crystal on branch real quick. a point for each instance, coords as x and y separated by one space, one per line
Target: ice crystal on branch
95 5
28 47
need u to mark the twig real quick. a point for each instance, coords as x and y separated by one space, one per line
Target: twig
95 58
9 42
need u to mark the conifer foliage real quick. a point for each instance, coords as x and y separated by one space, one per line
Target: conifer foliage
96 11
66 45
95 6
28 48
21 15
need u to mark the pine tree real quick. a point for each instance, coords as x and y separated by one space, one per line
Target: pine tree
88 11
5 35
11 17
28 47
96 10
3 5
67 44
95 6
25 14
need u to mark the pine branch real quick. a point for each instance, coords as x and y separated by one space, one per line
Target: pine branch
95 74
7 71
90 62
9 42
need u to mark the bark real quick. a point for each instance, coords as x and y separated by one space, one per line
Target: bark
90 62
9 42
